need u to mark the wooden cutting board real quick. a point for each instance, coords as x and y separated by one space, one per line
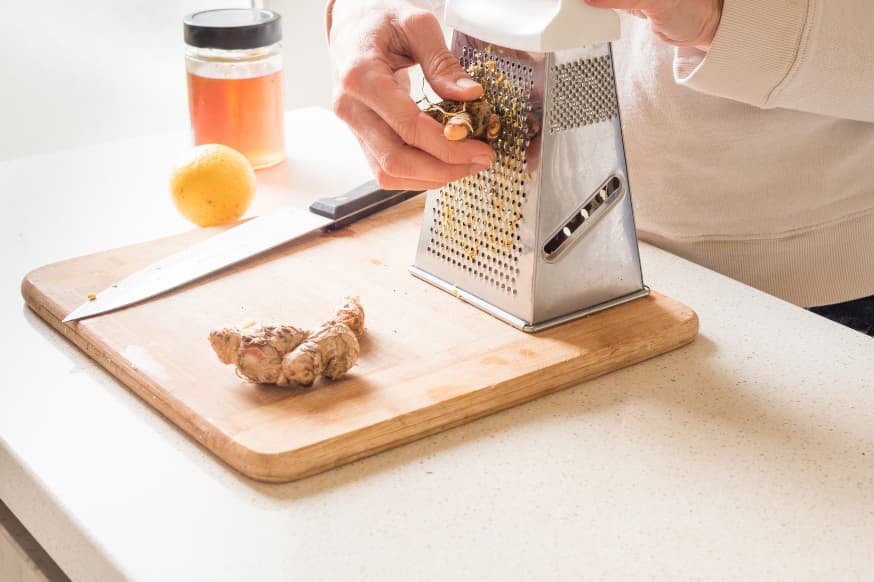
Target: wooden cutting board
428 362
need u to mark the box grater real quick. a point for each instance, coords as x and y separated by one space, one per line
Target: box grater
547 233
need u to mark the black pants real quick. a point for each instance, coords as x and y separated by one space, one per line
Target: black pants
857 314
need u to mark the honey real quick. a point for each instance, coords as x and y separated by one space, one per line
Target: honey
245 114
235 87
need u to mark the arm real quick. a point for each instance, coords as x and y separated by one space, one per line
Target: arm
809 55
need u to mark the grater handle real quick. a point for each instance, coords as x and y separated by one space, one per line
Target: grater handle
533 25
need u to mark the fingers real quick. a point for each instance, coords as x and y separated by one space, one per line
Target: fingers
405 147
394 183
442 70
370 79
380 92
398 165
678 22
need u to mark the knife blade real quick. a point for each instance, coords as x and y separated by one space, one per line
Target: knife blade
241 242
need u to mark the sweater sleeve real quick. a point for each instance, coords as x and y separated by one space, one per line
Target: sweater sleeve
808 55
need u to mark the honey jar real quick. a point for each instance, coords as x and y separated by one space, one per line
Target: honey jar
233 62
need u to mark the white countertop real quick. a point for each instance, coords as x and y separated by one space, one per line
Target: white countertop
746 455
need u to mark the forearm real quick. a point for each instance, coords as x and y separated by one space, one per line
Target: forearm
808 55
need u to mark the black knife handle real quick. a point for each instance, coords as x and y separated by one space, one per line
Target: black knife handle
358 203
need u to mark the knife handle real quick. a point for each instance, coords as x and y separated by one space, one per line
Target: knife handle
358 203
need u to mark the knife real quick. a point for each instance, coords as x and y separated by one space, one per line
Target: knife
239 243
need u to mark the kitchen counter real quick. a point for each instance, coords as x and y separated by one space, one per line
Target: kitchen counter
748 454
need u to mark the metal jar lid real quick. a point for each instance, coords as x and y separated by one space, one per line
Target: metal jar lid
232 28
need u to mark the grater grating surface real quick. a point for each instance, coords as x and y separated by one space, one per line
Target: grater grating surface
475 220
507 239
583 93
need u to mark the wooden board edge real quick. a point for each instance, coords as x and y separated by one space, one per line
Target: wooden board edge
213 440
286 466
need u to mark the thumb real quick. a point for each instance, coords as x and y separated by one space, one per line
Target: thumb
447 77
442 70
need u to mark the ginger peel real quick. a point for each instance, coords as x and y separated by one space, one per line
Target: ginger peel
351 313
257 352
329 351
285 355
466 119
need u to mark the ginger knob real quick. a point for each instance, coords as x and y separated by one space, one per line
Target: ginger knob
475 119
351 313
257 352
457 127
331 350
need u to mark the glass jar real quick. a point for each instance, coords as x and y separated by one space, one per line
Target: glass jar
234 67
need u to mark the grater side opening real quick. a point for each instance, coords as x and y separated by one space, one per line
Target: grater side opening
583 218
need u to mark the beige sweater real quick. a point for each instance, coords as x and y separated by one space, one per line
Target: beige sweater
757 159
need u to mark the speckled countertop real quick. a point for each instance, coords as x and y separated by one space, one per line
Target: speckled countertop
748 455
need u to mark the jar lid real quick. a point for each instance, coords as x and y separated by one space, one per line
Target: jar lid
232 28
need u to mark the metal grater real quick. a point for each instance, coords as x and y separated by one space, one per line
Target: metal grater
545 235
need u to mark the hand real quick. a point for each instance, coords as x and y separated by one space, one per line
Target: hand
683 23
372 45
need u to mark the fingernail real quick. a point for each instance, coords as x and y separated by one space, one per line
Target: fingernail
483 161
465 83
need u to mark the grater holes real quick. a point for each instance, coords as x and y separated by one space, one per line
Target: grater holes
583 93
476 220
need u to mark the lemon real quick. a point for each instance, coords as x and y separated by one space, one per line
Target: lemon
213 184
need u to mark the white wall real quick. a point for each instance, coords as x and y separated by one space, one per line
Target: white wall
75 72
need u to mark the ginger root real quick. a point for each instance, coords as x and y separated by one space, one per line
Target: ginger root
285 355
257 352
329 351
463 119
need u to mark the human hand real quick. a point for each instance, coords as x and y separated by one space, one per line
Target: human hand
683 23
372 45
